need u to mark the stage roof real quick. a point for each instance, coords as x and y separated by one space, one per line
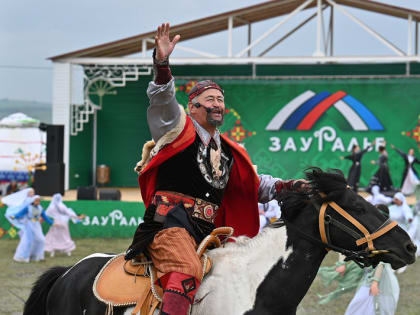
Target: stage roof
217 23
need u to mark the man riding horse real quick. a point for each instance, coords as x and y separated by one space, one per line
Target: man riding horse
192 179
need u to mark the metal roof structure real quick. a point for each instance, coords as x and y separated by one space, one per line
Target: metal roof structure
256 13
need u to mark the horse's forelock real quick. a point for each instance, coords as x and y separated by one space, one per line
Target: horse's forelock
330 183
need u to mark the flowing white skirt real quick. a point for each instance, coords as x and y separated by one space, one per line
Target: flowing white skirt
31 245
410 182
58 238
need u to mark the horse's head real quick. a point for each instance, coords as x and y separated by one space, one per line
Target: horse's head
332 213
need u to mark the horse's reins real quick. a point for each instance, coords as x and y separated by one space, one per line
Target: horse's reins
325 220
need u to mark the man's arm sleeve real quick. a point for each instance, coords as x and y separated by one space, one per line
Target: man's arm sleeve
163 113
267 189
271 186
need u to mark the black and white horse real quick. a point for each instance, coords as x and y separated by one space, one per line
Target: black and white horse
268 274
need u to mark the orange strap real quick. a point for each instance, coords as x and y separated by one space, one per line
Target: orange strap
356 223
376 234
142 298
322 224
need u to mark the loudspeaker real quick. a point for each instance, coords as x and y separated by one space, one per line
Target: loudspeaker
87 193
55 143
109 194
50 181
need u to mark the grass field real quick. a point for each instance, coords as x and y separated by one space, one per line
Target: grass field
16 279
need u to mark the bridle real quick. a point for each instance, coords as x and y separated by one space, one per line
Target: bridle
363 236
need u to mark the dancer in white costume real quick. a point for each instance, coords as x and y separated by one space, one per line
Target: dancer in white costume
268 211
410 178
377 198
414 229
400 211
58 238
378 291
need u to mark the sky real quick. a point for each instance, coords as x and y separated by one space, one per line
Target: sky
31 32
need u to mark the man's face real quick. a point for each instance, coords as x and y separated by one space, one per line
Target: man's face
212 99
37 202
411 152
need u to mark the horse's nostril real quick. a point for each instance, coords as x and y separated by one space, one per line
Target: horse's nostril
411 248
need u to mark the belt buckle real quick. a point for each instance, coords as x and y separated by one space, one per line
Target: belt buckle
204 210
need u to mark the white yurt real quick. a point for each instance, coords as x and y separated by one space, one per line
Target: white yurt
22 145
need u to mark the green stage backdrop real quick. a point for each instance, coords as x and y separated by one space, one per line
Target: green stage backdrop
104 219
394 106
252 104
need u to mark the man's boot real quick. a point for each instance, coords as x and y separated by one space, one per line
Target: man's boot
179 290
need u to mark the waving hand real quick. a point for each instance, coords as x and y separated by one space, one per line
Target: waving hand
164 46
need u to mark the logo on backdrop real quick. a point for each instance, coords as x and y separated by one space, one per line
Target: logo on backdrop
304 111
114 218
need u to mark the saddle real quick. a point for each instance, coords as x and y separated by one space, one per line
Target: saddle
126 283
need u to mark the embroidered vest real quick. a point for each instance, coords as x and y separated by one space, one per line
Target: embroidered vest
190 172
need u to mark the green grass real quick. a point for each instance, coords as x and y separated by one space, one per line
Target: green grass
17 278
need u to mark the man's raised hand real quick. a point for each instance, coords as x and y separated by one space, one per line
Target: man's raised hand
164 46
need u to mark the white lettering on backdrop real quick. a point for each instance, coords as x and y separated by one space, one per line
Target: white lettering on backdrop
115 217
322 136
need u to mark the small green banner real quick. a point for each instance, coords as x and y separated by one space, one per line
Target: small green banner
104 219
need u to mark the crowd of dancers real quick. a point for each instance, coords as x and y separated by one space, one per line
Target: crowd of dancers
26 214
382 177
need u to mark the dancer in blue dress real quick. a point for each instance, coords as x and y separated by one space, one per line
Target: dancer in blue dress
31 245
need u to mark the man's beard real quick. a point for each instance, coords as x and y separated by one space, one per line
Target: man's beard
215 122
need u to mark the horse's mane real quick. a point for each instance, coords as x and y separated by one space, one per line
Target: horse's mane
244 244
331 183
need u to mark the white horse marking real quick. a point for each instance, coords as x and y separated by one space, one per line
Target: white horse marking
238 270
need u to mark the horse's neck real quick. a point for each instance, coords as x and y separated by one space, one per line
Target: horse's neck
290 279
260 253
245 270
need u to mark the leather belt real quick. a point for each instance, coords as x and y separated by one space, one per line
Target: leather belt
196 207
